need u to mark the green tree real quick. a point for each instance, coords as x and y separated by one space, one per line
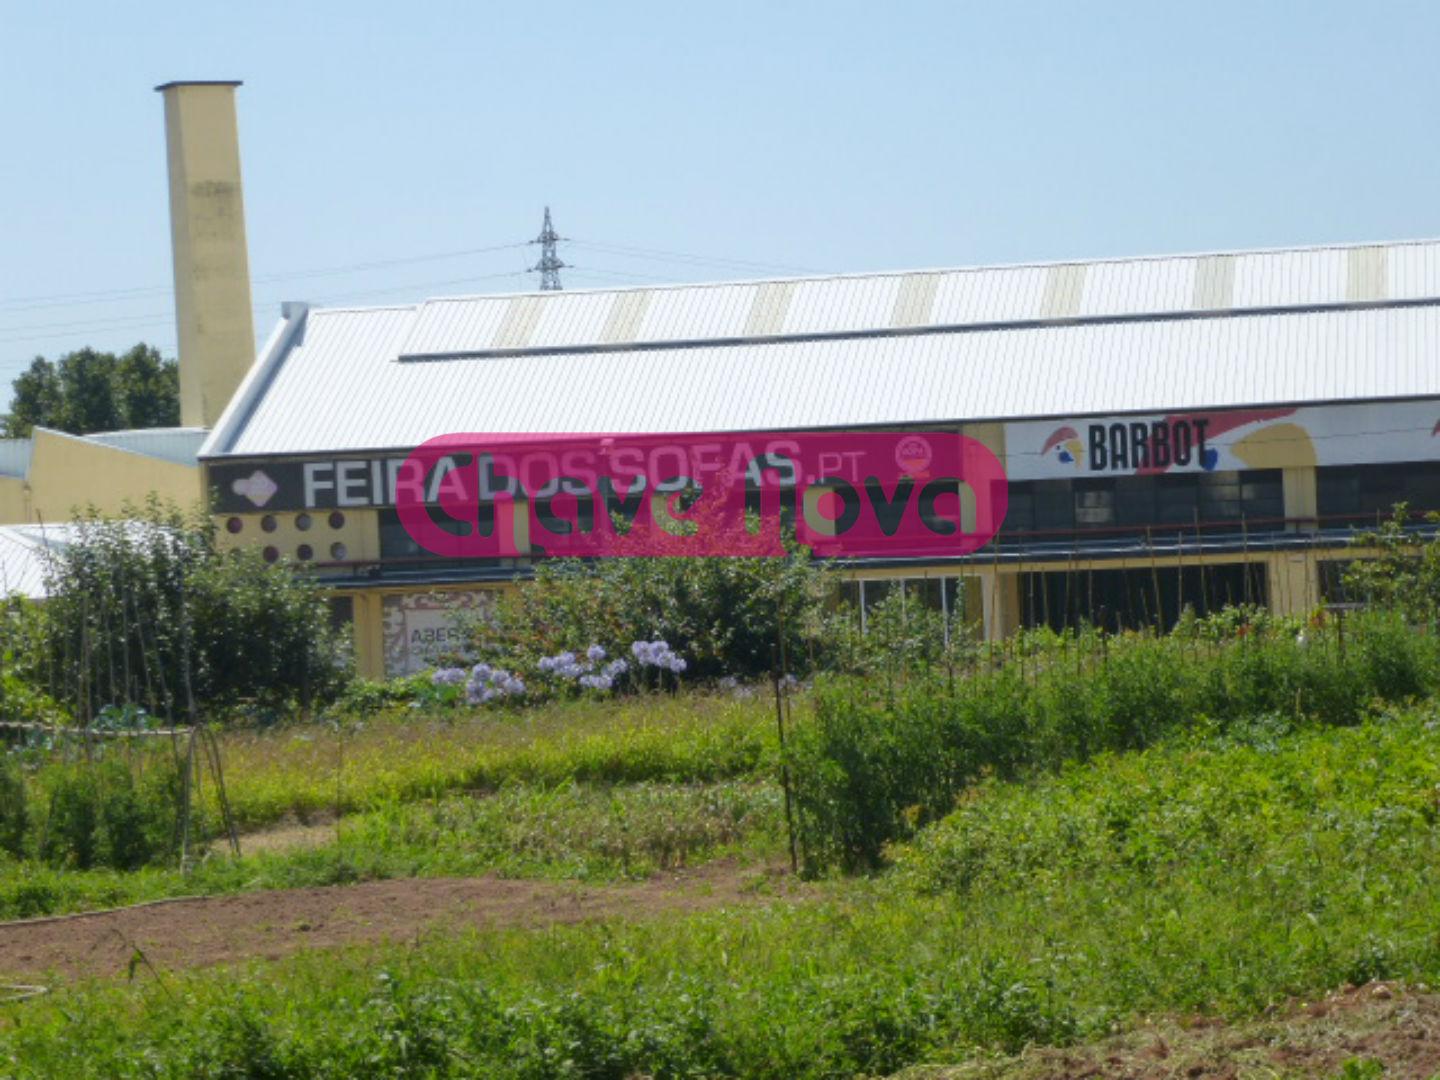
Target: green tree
37 398
87 391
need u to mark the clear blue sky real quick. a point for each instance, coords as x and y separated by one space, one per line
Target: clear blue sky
834 136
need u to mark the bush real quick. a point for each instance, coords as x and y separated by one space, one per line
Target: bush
1404 573
100 815
149 612
901 634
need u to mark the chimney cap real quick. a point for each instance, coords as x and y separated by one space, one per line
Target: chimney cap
198 82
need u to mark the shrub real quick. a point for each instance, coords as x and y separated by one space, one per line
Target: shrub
98 814
901 634
150 612
1403 574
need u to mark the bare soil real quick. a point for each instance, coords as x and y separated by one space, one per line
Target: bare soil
1379 1022
270 924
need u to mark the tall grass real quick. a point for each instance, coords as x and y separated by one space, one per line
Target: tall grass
347 766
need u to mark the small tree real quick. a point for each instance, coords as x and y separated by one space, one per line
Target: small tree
1404 574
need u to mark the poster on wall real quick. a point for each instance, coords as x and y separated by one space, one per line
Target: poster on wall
420 628
1273 438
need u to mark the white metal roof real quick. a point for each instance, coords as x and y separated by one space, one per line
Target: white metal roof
1316 324
24 554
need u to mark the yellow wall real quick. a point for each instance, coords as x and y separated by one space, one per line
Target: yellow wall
358 531
14 501
1294 582
69 474
1293 586
1302 498
992 591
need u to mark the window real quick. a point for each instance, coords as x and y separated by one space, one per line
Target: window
1371 491
1144 502
397 543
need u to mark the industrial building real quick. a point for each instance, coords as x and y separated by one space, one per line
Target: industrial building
1181 430
1195 429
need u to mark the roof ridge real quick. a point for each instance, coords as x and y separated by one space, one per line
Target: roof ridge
861 275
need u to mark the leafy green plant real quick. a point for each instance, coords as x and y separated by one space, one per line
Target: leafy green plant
98 814
1400 570
14 813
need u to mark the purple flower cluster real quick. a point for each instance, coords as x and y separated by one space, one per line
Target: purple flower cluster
657 654
564 664
584 671
448 676
489 683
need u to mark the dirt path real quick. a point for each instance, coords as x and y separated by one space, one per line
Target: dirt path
273 923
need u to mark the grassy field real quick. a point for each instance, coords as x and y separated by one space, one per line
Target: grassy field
586 791
571 832
1217 873
342 767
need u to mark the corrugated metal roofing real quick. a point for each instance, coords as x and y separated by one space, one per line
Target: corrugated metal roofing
24 553
987 343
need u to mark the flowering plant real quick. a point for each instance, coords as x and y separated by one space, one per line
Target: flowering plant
658 654
587 671
487 684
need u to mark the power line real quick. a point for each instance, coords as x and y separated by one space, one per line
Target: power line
662 255
137 322
422 285
105 296
126 295
549 267
584 270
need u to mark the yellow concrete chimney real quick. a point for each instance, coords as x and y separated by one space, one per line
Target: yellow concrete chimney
207 230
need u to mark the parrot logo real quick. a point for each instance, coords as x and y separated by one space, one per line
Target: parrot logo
1067 445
